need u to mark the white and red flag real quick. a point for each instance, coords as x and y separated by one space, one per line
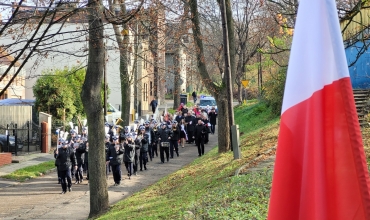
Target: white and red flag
320 170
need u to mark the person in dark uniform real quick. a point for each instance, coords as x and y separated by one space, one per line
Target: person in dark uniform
175 137
137 142
107 144
144 147
190 126
199 135
154 140
80 156
67 160
163 140
60 143
208 127
129 147
115 158
212 115
86 160
150 133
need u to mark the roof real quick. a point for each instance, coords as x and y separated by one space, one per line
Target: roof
207 98
17 102
7 59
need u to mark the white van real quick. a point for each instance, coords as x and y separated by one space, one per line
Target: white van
207 100
112 113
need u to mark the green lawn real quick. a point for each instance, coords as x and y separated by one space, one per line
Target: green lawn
31 171
207 188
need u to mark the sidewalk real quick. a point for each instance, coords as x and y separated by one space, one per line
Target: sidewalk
22 162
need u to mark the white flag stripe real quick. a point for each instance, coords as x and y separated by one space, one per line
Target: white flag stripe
311 67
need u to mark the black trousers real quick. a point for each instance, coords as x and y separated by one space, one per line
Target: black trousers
65 179
129 167
174 145
79 172
150 151
164 150
154 150
200 144
190 137
213 128
87 169
136 161
143 159
117 176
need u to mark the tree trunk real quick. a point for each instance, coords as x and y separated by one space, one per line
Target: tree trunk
177 86
123 66
224 142
220 93
91 99
240 93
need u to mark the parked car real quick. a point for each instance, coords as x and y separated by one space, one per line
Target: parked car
4 147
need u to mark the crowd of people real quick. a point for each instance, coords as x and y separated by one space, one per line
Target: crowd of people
135 146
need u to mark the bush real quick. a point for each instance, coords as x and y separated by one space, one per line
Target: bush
273 91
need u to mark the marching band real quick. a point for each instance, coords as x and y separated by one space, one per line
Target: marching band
133 146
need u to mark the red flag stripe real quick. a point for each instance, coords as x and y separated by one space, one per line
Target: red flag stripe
320 170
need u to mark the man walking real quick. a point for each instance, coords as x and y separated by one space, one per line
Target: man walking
212 119
67 160
194 94
164 141
114 159
199 136
153 104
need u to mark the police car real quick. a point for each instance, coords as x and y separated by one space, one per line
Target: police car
207 102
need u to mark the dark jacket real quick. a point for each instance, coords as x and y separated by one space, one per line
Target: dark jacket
80 153
200 131
151 136
175 133
153 103
123 136
190 126
66 158
56 159
129 152
179 118
145 143
184 110
212 117
114 157
163 134
86 158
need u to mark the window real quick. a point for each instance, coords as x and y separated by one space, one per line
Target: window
151 88
145 92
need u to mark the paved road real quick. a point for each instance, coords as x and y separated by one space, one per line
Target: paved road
40 198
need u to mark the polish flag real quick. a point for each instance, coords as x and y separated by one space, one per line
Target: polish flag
320 170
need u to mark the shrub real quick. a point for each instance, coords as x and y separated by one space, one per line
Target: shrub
273 91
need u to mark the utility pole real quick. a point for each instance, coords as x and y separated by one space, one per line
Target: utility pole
234 134
227 62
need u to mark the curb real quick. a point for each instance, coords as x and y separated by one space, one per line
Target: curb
237 172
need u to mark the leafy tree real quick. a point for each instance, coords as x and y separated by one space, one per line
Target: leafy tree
57 93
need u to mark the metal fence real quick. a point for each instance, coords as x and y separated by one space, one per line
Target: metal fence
27 138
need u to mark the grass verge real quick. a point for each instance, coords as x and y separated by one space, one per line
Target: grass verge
207 188
31 171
